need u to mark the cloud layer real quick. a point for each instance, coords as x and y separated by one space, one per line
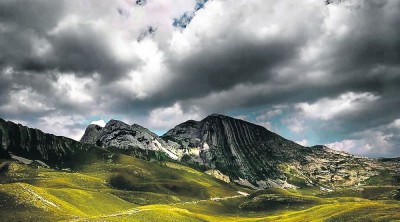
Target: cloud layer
316 72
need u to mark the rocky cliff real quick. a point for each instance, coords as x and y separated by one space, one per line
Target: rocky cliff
27 144
239 149
253 156
128 137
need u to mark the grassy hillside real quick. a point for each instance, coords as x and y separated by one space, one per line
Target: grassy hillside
124 188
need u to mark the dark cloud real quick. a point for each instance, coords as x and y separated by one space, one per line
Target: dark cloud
84 51
361 61
32 15
236 61
60 59
368 60
32 40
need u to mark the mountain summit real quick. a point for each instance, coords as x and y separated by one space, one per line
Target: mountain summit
244 152
127 137
236 147
254 156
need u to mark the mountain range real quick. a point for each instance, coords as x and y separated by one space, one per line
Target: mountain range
216 169
239 151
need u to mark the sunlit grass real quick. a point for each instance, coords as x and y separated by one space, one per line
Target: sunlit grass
173 192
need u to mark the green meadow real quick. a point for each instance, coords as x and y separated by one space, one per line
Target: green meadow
124 188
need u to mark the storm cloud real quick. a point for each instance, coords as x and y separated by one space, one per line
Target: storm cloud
317 72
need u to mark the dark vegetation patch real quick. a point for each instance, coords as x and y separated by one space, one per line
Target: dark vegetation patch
189 161
93 154
376 193
13 210
228 207
173 186
277 201
371 193
144 198
20 173
270 191
397 195
149 155
368 212
292 178
4 167
385 177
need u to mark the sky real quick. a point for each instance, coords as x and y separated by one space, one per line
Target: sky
314 71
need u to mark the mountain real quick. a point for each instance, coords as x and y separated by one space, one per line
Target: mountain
112 184
32 145
123 136
254 156
237 148
224 147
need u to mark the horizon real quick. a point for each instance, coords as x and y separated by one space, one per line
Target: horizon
315 72
162 133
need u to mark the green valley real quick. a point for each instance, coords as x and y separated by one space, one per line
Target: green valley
124 188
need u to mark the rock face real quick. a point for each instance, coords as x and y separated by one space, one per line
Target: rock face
92 132
123 136
21 142
237 148
253 156
217 174
333 168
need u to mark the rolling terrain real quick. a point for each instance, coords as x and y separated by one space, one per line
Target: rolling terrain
48 178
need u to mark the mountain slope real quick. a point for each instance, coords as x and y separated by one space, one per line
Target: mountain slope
235 147
251 155
126 137
28 144
119 187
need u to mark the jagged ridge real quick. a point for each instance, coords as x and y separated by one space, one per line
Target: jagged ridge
237 148
254 156
123 136
33 144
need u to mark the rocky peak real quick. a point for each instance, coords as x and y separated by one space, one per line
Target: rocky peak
91 134
123 136
254 156
190 123
143 130
218 115
116 124
237 148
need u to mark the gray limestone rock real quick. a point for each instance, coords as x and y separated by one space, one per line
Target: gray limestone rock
237 148
123 136
253 156
92 132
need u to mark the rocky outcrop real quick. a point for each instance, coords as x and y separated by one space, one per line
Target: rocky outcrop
217 174
123 136
237 148
32 144
92 133
255 157
332 168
